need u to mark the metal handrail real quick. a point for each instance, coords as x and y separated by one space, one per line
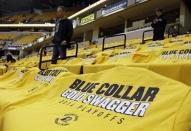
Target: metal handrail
45 61
143 36
106 37
172 27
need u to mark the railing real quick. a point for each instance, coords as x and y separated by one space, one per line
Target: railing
45 61
106 37
174 30
143 36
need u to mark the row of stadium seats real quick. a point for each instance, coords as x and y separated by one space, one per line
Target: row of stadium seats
8 37
47 16
172 52
141 87
28 39
20 39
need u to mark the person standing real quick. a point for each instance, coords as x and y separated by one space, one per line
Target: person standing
159 25
63 35
10 58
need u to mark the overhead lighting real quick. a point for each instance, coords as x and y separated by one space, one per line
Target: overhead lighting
87 8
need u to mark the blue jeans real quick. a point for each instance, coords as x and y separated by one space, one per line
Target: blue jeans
58 51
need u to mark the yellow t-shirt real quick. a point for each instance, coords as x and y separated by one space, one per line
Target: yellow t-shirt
119 99
175 55
147 52
3 69
33 85
120 57
15 77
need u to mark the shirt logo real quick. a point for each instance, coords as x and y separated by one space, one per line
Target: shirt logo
66 120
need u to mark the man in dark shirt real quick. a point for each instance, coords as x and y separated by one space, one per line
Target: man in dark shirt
62 36
159 25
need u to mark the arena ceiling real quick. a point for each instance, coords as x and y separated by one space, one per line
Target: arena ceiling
11 6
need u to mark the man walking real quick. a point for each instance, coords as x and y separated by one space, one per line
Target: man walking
63 35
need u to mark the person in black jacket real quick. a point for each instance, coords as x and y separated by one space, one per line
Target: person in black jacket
10 58
159 25
62 36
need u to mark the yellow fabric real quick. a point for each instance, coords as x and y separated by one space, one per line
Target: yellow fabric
119 99
147 53
97 68
101 57
173 55
3 69
31 85
178 72
174 50
89 60
153 46
29 101
26 62
72 64
120 56
13 77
